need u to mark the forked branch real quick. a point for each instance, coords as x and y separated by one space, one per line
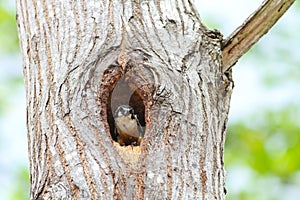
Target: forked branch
255 26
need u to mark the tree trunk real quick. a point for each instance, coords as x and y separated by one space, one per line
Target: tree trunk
82 59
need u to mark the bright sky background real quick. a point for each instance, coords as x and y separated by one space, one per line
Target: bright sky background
248 94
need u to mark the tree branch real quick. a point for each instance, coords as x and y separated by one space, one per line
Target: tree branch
255 26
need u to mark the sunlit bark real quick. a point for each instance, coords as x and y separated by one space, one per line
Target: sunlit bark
166 64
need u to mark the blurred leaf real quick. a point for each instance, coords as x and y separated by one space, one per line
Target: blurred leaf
8 35
298 4
270 145
22 185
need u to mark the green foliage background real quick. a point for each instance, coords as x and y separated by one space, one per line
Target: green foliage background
262 154
8 33
10 87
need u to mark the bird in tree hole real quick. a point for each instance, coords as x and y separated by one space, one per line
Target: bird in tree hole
127 126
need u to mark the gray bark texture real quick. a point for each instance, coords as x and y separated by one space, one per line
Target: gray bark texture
84 58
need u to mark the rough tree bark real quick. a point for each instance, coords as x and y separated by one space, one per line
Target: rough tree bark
84 58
